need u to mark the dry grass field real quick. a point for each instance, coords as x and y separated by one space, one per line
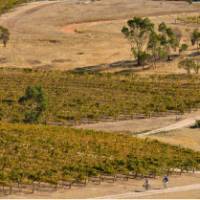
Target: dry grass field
69 34
186 137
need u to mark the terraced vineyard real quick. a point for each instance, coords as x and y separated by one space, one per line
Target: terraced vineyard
75 98
50 154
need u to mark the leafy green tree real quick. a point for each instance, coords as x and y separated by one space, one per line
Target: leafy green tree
155 47
195 38
137 32
170 40
4 35
183 48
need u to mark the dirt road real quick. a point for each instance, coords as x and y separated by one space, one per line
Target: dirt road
132 195
181 124
165 129
147 126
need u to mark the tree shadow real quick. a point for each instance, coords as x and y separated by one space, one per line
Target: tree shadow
194 54
121 65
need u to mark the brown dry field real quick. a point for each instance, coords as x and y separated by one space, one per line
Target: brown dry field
68 34
186 137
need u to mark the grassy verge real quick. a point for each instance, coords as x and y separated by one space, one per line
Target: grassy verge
41 153
79 98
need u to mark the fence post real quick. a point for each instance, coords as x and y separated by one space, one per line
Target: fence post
10 189
33 187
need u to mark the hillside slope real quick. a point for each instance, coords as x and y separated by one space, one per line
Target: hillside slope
69 34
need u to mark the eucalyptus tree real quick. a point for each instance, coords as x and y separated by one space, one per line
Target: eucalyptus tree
155 47
170 40
182 48
195 38
137 32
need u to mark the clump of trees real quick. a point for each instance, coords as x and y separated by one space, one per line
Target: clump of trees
191 64
138 33
149 43
34 102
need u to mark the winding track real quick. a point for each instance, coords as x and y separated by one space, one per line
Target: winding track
131 195
181 124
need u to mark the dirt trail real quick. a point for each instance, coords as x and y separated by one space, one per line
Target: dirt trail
12 17
147 126
131 195
181 124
